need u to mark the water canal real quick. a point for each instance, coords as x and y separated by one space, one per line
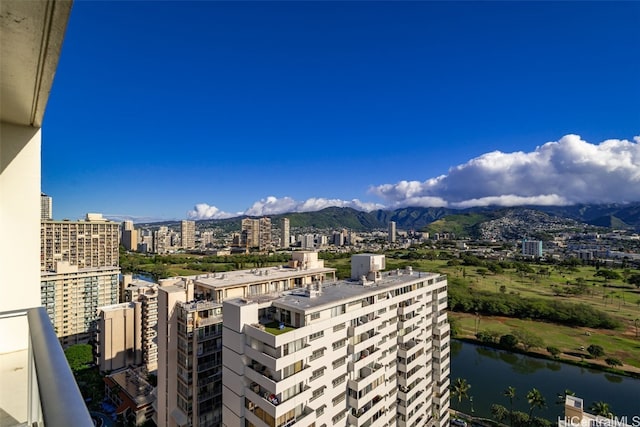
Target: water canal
491 371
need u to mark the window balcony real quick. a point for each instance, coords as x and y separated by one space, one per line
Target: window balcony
44 391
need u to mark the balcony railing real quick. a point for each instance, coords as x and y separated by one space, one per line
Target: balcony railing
52 397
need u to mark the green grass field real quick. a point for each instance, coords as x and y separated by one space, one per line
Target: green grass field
614 297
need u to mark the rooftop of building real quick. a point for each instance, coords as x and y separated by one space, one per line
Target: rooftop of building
116 307
256 275
133 384
328 293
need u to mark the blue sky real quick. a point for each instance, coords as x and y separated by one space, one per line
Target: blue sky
168 110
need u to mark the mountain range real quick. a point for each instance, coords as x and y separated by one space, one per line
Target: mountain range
472 222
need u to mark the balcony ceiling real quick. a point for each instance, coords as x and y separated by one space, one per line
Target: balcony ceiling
31 34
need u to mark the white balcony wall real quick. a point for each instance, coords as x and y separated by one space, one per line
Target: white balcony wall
19 228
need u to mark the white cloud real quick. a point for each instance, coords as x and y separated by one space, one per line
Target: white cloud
205 211
272 205
562 172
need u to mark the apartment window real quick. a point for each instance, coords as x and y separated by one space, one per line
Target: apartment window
317 393
320 410
336 400
317 373
337 310
316 335
354 303
316 354
336 382
339 344
315 315
338 417
338 362
338 327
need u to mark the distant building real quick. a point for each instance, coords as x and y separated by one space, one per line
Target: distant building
129 238
46 206
256 233
285 234
265 239
307 242
392 232
206 239
161 240
532 248
250 233
188 234
92 242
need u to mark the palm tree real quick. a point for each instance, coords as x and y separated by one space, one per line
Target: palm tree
460 388
601 408
499 412
535 400
510 392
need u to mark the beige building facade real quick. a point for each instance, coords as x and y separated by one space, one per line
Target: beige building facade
188 234
92 242
71 297
118 340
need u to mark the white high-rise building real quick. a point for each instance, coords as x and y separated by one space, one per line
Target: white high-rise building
371 351
392 232
532 248
285 236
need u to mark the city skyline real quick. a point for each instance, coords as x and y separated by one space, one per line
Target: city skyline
266 108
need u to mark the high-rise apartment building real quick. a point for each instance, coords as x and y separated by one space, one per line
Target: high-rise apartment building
72 295
46 206
188 234
146 293
79 273
392 232
129 238
265 240
161 240
256 233
127 333
285 233
532 248
190 333
371 351
88 243
307 241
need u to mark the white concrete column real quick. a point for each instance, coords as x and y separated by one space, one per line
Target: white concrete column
19 226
